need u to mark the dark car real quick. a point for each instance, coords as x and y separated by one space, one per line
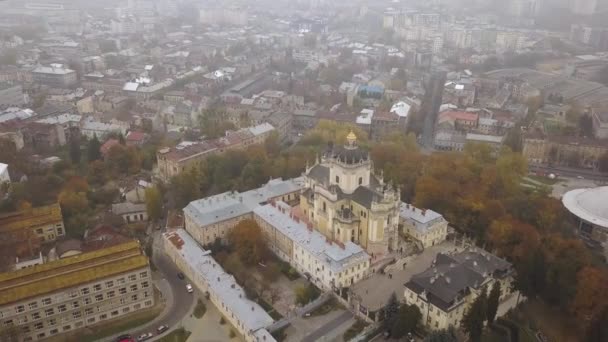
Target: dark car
180 275
125 338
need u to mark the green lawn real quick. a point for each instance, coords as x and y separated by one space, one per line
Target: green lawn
178 335
544 180
354 330
329 306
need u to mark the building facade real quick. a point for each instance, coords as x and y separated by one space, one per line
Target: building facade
424 225
346 201
69 294
563 150
11 95
46 223
55 76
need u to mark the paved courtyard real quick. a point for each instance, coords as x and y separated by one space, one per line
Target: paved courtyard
375 291
328 327
208 328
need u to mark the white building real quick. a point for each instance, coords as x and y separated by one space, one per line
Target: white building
92 128
426 226
130 212
328 264
4 176
209 277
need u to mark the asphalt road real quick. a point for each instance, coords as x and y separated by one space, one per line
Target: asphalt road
329 326
179 303
570 172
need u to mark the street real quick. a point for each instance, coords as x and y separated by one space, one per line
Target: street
320 333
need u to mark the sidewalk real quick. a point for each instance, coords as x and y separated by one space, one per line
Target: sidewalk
208 328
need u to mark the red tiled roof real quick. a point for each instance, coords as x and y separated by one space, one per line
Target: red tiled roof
136 136
105 148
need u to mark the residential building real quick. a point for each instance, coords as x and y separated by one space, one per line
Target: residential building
11 95
43 136
304 119
245 315
130 212
45 223
55 75
346 201
563 150
69 294
213 217
600 124
445 291
328 264
91 128
4 175
424 225
282 122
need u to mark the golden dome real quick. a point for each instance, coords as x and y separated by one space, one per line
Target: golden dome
351 137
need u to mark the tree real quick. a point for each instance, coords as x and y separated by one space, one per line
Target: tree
75 151
154 203
93 149
530 275
598 328
473 320
247 240
603 162
406 322
493 300
306 294
591 295
391 311
585 125
448 335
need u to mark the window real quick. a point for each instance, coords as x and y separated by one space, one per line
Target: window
52 321
134 297
88 311
41 335
25 329
146 294
114 313
145 284
61 308
126 309
46 301
122 290
54 331
132 277
78 324
39 231
148 303
338 179
324 207
49 312
111 294
19 308
76 314
33 305
122 301
75 305
98 298
36 315
120 280
104 316
143 274
137 306
133 287
97 287
67 327
91 320
73 294
8 322
360 180
84 291
109 283
87 301
38 326
59 231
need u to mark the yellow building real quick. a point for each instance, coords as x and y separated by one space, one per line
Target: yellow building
346 201
563 150
79 291
45 222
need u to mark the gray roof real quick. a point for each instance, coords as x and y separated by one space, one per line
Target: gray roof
336 257
319 173
453 276
232 204
127 208
220 284
421 219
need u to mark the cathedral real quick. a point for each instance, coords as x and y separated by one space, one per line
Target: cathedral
346 201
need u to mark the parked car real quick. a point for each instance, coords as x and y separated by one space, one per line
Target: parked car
162 329
410 337
189 288
144 337
125 338
180 275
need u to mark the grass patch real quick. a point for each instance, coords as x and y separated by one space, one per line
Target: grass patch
329 306
117 326
199 309
287 270
177 335
269 309
354 330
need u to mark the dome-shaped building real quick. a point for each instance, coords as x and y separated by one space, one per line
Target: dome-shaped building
347 201
589 208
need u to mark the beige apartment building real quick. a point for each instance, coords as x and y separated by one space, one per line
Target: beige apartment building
427 227
563 150
45 222
79 291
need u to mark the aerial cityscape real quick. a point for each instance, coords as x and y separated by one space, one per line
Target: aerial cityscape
304 170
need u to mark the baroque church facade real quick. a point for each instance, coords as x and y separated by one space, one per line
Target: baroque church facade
347 201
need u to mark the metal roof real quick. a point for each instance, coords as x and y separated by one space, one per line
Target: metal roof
590 204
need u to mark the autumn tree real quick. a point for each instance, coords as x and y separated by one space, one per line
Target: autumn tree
154 203
473 320
123 160
591 296
391 311
75 151
93 146
444 335
493 301
598 327
306 294
247 240
603 162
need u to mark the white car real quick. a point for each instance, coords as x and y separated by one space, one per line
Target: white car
144 337
189 288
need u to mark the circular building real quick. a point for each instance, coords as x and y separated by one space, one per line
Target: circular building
589 208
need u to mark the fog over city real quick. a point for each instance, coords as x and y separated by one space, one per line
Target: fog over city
304 170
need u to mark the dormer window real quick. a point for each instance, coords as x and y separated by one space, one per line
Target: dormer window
338 179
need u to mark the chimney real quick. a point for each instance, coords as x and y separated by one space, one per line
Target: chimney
423 212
